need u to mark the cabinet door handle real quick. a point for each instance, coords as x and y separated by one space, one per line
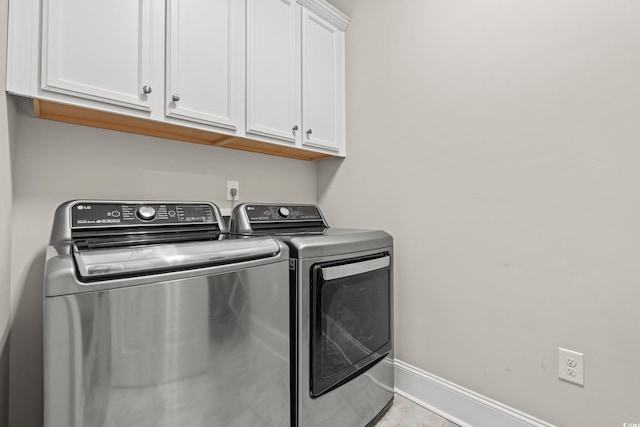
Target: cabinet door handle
175 97
309 133
146 89
295 128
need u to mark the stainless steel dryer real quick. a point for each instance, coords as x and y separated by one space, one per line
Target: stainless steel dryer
342 313
154 317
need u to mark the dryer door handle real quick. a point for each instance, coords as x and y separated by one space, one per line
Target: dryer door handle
346 270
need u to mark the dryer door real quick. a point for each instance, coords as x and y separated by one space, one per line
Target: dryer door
350 319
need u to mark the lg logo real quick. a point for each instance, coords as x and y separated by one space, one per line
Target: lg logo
83 207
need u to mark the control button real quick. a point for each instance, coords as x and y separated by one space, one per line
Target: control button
283 212
172 213
146 213
115 214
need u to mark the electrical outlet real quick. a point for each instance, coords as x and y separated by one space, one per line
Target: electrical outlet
570 361
571 366
231 185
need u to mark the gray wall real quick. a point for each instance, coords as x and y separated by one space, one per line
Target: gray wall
55 162
5 225
499 143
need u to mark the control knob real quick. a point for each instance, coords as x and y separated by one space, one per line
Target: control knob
283 212
146 213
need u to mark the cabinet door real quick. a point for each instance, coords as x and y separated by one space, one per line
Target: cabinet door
100 50
273 70
322 83
202 55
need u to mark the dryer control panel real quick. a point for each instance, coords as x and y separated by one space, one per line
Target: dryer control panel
271 213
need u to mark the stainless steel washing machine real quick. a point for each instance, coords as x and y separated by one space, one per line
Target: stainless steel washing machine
155 317
342 313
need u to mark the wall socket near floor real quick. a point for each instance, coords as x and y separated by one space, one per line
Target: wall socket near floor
231 185
571 366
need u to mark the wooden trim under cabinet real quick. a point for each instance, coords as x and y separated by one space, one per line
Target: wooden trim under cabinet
83 116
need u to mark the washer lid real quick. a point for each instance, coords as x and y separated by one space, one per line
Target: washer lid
136 260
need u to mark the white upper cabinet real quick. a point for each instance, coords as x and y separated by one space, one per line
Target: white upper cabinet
203 75
295 73
255 75
322 83
273 78
114 52
101 50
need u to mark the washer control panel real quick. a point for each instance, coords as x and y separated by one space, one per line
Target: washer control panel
101 214
282 213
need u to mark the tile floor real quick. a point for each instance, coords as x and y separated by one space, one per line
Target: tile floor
405 413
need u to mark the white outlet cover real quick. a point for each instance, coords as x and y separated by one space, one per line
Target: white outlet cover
230 185
564 367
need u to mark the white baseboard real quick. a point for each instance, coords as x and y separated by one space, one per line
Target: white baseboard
457 404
